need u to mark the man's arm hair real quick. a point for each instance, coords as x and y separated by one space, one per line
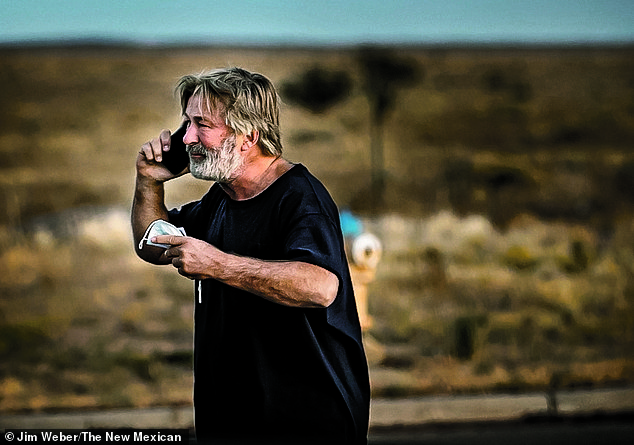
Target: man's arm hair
290 283
148 206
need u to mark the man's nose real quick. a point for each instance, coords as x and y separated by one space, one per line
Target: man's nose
191 136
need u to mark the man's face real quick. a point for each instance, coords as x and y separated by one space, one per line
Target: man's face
211 145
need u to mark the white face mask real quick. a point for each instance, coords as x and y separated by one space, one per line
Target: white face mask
160 227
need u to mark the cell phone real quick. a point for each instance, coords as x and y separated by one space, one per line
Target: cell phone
176 159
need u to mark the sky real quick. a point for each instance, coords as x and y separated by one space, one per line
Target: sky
320 22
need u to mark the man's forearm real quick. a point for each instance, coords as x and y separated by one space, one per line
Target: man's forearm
295 284
148 206
290 283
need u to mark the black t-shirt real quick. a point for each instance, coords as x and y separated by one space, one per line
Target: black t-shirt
263 370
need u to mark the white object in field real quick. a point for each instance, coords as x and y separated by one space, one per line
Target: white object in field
366 251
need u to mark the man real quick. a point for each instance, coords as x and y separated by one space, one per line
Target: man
278 356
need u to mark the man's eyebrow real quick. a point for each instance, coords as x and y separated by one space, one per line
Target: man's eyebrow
197 118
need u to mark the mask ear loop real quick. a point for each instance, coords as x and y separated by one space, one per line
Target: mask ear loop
147 234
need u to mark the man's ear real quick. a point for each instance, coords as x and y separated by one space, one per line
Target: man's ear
251 139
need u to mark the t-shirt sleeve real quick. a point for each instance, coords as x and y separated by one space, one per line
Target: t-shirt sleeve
314 239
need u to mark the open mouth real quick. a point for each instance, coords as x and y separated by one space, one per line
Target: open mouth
196 153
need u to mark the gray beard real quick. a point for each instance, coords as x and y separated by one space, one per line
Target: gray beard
221 164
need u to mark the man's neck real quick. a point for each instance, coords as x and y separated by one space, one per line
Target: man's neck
256 177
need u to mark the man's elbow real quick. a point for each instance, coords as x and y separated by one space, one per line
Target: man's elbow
328 291
151 254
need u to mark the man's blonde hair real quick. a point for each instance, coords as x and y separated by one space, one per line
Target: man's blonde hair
247 100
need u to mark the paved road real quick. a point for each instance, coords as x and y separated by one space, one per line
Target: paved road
492 408
588 417
612 430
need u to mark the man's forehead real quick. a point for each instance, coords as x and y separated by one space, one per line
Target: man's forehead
201 107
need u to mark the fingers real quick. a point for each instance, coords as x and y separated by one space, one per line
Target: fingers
186 254
172 240
178 263
174 255
153 150
165 139
185 274
171 253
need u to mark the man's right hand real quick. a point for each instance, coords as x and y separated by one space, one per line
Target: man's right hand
148 163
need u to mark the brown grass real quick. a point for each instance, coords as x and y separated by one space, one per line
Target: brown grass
535 142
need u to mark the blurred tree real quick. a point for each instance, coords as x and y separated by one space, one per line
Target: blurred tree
384 73
465 340
318 89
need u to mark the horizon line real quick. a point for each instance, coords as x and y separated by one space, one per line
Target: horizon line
113 42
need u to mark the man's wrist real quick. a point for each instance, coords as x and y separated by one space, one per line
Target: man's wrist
148 182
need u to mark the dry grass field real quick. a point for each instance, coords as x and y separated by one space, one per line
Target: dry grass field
507 217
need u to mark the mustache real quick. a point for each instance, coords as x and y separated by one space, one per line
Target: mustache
196 149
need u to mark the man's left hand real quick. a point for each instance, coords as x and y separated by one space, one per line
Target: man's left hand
190 256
